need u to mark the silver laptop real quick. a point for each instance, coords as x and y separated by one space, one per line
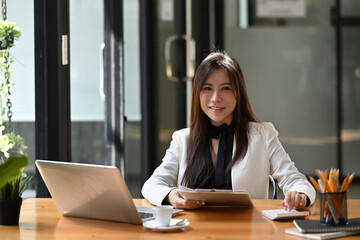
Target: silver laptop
91 191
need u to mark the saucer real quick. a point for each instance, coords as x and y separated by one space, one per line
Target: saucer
152 224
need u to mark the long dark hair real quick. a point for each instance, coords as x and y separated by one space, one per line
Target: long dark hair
199 139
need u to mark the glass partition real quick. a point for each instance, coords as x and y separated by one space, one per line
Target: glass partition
351 98
87 97
289 70
87 105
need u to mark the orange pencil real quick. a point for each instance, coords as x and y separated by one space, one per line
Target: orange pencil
331 174
351 177
324 179
332 185
335 180
344 184
326 174
315 183
347 182
320 174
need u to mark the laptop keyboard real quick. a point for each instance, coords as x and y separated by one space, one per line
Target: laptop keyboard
144 215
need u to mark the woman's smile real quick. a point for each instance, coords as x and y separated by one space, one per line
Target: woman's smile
216 109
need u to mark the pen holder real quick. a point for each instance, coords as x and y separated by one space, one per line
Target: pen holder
333 208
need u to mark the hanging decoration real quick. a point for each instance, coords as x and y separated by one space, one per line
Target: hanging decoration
10 143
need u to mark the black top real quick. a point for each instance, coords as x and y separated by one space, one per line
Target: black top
218 178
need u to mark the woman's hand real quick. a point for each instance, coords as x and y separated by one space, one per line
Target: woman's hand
294 200
175 199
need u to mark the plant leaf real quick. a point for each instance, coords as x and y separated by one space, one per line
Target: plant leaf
12 167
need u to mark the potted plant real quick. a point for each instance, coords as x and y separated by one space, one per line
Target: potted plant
12 184
8 33
13 159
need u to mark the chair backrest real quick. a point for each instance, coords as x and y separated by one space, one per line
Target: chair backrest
274 187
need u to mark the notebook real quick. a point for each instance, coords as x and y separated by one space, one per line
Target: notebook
329 235
314 226
91 191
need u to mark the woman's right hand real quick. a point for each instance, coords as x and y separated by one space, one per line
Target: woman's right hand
175 199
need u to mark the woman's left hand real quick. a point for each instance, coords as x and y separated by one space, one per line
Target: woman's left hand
294 200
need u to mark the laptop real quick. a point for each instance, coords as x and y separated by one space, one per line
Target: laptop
92 191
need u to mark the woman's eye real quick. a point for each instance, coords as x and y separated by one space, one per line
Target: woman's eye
226 88
207 89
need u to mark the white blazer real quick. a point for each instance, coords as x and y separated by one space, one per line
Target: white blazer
265 155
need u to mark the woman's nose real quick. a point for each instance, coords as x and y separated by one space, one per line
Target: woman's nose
216 97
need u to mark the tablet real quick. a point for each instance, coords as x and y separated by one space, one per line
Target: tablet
214 197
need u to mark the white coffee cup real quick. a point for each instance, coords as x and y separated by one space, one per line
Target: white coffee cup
163 215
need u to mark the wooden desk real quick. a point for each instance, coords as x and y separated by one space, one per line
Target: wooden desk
40 220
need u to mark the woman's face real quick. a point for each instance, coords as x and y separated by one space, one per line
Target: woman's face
217 99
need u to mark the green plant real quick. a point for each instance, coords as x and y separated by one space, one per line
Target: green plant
12 179
11 168
11 144
8 33
13 160
12 148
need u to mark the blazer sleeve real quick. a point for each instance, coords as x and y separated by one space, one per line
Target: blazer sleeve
283 169
165 177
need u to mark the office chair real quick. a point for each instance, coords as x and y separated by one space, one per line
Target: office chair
275 187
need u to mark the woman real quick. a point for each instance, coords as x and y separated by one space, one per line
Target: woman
225 147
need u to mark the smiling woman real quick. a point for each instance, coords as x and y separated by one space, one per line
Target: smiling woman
225 146
228 107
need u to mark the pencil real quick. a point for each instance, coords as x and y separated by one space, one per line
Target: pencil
314 182
335 180
324 178
344 184
332 185
349 181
